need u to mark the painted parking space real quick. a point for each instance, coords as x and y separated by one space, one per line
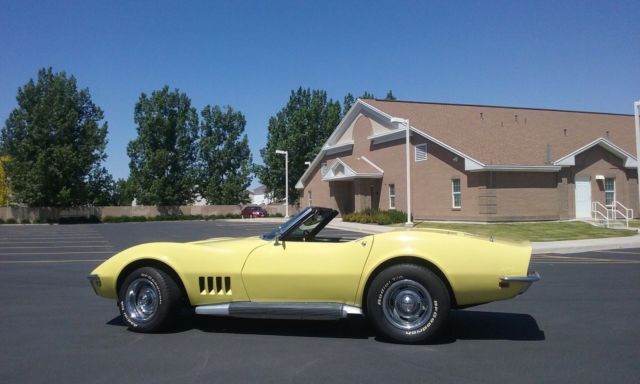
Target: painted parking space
86 243
33 244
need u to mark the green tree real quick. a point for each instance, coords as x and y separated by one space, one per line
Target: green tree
123 193
347 102
101 187
390 96
163 157
4 182
225 158
301 128
367 95
55 142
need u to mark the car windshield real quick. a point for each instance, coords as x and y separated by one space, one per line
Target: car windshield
284 227
310 223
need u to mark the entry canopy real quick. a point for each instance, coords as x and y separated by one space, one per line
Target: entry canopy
628 159
358 168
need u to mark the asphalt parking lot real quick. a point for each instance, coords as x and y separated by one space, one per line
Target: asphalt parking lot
578 324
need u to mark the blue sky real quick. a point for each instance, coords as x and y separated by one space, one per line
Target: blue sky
577 55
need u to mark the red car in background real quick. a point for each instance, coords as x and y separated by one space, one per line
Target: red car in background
253 211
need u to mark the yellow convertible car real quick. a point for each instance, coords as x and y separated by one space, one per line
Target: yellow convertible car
405 282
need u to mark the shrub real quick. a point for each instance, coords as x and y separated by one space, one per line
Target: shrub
79 220
123 219
12 221
369 216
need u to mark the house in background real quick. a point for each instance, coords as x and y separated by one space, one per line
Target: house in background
259 196
476 163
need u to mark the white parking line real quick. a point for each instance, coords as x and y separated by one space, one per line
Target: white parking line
556 259
49 237
48 261
52 253
622 252
61 246
53 241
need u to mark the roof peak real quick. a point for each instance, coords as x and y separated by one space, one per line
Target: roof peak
497 106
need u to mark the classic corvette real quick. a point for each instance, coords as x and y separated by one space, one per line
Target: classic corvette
405 281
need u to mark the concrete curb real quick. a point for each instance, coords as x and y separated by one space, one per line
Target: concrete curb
587 245
370 229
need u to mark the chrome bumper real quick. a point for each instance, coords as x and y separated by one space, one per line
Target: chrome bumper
95 282
531 278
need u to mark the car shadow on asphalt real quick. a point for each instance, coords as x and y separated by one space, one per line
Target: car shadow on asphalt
462 325
481 325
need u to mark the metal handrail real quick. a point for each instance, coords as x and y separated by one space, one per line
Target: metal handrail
628 213
596 212
611 212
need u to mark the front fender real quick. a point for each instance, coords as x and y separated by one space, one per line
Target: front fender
190 262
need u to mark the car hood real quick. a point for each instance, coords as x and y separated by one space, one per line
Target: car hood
227 241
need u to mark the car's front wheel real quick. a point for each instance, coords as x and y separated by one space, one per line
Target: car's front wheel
408 303
149 300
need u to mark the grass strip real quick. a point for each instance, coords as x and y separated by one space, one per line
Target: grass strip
547 231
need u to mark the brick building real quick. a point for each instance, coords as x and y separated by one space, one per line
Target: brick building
479 163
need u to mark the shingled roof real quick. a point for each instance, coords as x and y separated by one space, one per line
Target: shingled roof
506 135
495 138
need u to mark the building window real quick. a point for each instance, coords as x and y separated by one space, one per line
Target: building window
310 199
456 195
421 152
609 191
392 196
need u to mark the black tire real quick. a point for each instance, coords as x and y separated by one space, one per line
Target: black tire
149 300
408 303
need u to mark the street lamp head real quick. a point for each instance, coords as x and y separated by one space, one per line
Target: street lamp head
281 152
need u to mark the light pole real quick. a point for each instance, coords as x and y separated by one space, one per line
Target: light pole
407 126
286 180
636 112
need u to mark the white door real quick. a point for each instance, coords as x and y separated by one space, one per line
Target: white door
583 197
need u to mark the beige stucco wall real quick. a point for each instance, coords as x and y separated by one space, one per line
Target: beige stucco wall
34 213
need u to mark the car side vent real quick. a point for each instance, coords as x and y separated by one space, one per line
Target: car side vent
214 285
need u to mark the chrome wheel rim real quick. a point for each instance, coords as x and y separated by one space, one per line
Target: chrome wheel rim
141 300
407 305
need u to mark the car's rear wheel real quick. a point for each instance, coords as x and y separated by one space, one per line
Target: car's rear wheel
149 300
408 303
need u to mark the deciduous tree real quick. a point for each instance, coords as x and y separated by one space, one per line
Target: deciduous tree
163 156
56 143
4 182
301 128
225 158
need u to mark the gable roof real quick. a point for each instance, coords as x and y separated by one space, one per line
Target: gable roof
629 160
493 138
360 167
